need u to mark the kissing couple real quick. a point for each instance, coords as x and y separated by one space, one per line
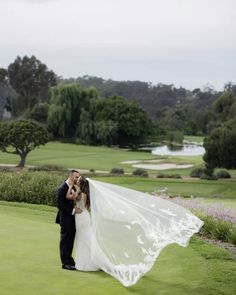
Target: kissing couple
115 229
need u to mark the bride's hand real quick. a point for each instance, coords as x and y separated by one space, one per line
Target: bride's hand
78 210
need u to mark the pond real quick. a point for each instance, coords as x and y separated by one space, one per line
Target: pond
185 150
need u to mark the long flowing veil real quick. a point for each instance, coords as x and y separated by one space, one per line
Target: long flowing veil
130 228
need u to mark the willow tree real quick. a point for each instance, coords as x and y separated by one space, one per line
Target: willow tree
64 113
21 137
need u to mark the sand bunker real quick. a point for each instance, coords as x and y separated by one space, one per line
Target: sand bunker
163 166
144 164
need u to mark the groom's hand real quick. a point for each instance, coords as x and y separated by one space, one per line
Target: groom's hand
78 210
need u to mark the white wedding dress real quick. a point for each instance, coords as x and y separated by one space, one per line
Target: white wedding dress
127 231
83 259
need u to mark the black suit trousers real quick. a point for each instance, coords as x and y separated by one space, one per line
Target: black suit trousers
67 241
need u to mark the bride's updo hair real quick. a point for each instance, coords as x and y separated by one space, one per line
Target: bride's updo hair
84 188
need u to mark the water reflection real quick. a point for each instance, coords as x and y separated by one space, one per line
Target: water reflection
185 150
172 147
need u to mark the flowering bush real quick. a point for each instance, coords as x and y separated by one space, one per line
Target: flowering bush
219 222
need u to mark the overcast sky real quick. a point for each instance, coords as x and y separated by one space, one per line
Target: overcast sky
182 42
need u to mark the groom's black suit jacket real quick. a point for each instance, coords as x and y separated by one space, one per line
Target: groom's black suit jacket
65 206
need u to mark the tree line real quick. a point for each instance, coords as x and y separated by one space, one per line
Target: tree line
91 110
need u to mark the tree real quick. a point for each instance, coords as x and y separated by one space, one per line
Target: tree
106 132
66 104
32 81
39 112
21 137
3 75
129 124
220 146
223 105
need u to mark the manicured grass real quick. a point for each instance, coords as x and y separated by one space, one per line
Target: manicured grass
79 156
183 187
198 139
30 263
90 157
98 158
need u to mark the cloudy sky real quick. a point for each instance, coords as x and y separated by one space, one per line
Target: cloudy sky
190 43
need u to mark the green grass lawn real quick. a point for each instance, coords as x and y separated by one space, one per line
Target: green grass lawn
98 158
30 263
79 156
90 157
183 187
198 139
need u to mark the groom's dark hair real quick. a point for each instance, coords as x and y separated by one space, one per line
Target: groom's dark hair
73 171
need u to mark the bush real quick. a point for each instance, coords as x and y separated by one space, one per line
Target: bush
176 176
196 172
208 177
223 174
140 172
218 229
117 171
47 167
175 136
232 237
162 175
30 187
7 168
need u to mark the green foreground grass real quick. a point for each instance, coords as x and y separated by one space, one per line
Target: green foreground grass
30 263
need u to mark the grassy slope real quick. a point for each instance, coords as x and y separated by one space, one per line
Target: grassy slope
30 263
103 158
186 187
78 156
98 158
198 139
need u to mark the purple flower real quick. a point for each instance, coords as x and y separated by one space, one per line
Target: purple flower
214 210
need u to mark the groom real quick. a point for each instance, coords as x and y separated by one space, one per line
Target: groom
65 217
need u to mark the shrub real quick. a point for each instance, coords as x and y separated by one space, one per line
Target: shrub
196 172
30 187
176 176
162 175
208 177
232 236
223 174
140 172
219 229
175 136
219 222
117 171
47 167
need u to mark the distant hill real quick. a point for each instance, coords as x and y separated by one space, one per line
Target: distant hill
152 98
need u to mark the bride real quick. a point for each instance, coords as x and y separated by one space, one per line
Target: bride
122 231
83 259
